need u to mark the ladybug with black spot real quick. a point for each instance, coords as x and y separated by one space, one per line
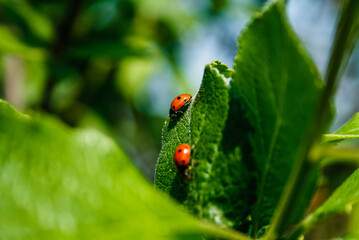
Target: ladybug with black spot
178 103
182 159
182 155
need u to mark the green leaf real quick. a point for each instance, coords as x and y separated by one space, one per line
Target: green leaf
341 201
60 183
174 133
349 131
277 86
212 193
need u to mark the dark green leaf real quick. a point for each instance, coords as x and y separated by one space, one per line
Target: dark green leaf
349 131
277 85
59 183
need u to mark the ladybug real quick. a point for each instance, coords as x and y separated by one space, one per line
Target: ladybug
182 156
179 102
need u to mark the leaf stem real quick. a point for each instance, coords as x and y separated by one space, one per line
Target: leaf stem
345 39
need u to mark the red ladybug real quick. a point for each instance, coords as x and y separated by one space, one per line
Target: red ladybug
182 156
179 102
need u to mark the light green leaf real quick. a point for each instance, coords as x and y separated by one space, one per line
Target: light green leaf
277 86
60 183
349 131
212 193
341 201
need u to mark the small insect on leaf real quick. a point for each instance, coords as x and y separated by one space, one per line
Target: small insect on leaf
182 156
178 103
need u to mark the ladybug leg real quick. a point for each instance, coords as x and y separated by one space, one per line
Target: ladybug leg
177 115
172 115
188 172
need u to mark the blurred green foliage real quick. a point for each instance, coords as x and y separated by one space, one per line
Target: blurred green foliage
114 65
62 183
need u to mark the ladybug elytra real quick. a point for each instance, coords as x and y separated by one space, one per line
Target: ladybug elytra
179 102
182 156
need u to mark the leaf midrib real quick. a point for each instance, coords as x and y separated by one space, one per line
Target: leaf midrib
274 139
341 135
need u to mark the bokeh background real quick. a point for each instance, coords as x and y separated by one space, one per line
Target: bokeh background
116 65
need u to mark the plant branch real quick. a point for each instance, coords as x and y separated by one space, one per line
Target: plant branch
329 155
345 39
